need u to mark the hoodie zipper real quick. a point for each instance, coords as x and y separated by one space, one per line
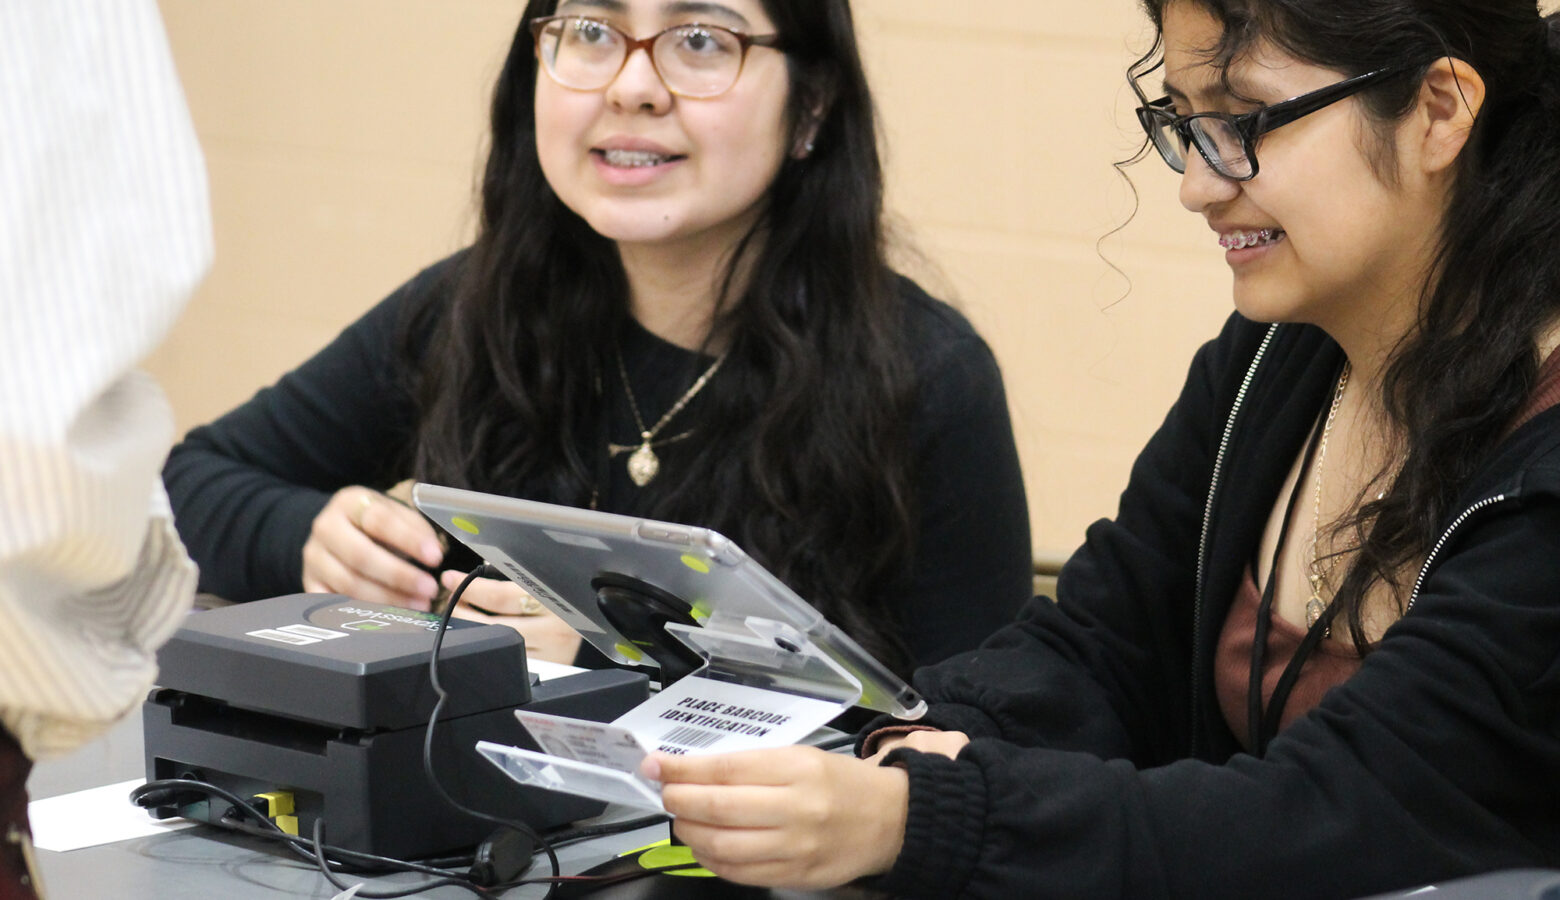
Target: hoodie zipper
1207 526
1424 570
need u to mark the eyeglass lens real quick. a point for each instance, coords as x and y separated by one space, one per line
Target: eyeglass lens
1217 140
693 60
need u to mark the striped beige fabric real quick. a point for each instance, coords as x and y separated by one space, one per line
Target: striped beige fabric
104 232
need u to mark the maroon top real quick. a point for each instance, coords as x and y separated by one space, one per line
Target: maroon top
1545 394
1333 662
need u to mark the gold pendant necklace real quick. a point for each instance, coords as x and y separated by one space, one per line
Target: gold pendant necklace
643 464
1315 607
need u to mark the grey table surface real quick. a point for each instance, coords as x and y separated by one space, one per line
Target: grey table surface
206 862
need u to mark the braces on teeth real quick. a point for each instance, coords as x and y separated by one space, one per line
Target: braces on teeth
1242 239
633 158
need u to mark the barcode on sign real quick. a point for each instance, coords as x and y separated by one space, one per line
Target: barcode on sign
695 738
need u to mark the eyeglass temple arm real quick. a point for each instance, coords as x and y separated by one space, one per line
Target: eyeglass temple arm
1280 114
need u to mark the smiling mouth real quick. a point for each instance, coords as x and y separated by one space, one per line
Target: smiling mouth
635 159
1240 240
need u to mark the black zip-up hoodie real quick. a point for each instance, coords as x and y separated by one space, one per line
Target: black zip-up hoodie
1100 765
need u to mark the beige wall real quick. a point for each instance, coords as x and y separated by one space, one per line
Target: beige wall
1001 133
343 138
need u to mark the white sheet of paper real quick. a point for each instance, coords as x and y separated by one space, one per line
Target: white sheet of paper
96 816
698 715
547 671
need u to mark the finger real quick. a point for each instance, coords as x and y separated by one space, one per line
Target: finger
732 806
494 595
767 857
775 766
781 875
371 562
546 637
335 576
733 846
476 615
786 874
526 625
397 527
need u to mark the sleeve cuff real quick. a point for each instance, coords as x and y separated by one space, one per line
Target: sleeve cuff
944 827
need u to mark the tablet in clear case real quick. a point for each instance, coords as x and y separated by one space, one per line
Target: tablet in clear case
745 663
718 602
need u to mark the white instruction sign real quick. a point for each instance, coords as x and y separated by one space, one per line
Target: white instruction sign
697 715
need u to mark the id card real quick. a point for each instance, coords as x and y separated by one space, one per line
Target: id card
597 743
555 773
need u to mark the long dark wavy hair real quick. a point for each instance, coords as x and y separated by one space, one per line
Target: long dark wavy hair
803 440
1457 381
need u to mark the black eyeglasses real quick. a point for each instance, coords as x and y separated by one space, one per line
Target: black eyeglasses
693 60
1228 143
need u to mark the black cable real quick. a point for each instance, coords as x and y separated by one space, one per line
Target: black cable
239 804
836 742
575 835
360 862
323 865
482 571
267 829
355 862
560 837
606 880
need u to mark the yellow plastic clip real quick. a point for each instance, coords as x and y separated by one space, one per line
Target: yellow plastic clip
280 808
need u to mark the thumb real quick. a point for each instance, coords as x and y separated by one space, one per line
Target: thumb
651 766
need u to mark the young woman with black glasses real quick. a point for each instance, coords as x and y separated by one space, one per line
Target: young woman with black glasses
1317 652
677 306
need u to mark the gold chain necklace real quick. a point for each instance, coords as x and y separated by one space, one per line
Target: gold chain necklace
1316 606
643 464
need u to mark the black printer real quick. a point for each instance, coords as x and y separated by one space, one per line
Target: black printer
320 704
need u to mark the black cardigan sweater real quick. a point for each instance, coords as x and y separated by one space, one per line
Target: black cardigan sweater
246 488
1100 765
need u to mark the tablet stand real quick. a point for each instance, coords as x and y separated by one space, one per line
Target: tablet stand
755 651
640 612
